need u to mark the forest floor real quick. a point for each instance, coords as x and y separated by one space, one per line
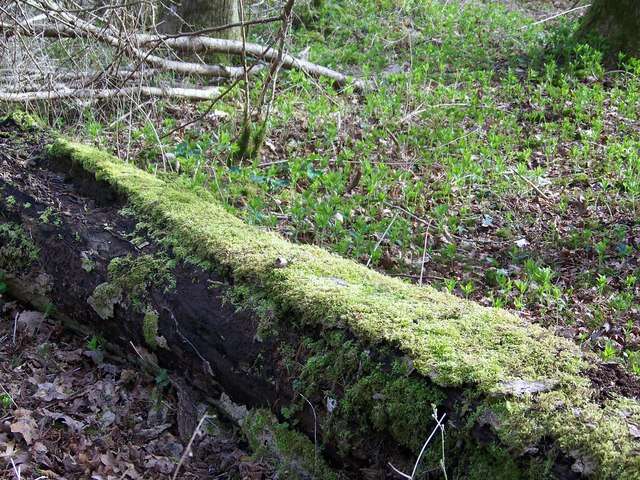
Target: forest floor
70 409
492 156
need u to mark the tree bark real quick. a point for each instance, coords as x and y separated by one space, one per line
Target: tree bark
618 22
190 15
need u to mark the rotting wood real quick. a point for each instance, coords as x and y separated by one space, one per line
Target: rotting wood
377 404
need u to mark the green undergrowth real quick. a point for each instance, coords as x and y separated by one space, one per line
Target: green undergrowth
471 111
450 341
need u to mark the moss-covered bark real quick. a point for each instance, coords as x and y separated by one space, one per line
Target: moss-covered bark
617 22
527 386
371 353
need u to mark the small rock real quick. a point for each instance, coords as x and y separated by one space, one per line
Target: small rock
281 262
524 387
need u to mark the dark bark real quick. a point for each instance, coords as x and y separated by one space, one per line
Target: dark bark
84 231
617 22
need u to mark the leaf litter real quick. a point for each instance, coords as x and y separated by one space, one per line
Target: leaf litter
68 412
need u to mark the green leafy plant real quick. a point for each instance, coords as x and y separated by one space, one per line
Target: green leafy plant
96 343
5 401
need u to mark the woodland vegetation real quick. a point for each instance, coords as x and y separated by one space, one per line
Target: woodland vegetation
329 239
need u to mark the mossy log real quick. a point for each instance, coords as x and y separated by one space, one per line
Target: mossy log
153 260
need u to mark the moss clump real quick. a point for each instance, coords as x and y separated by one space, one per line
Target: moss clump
150 330
452 342
294 454
135 276
17 251
104 298
22 119
370 394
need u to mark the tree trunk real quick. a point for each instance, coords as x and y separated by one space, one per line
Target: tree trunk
618 22
190 15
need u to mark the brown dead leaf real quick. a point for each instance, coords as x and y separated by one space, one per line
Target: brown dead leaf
25 425
50 391
74 425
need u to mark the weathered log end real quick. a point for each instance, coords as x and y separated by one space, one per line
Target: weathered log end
155 260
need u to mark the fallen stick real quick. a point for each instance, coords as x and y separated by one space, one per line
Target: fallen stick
62 93
193 44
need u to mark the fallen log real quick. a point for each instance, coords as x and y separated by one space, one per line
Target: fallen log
155 261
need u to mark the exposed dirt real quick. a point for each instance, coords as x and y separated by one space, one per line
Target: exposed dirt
610 379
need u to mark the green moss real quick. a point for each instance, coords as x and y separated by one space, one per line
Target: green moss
294 454
87 263
22 119
104 298
17 251
452 342
50 216
150 330
371 395
496 464
135 276
10 201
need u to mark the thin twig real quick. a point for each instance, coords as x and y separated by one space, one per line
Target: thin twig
15 327
187 450
16 470
315 431
438 426
533 185
382 238
424 252
560 14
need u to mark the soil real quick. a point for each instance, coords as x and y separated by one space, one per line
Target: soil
610 379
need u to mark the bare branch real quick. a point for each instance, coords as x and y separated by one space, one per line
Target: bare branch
193 44
62 93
